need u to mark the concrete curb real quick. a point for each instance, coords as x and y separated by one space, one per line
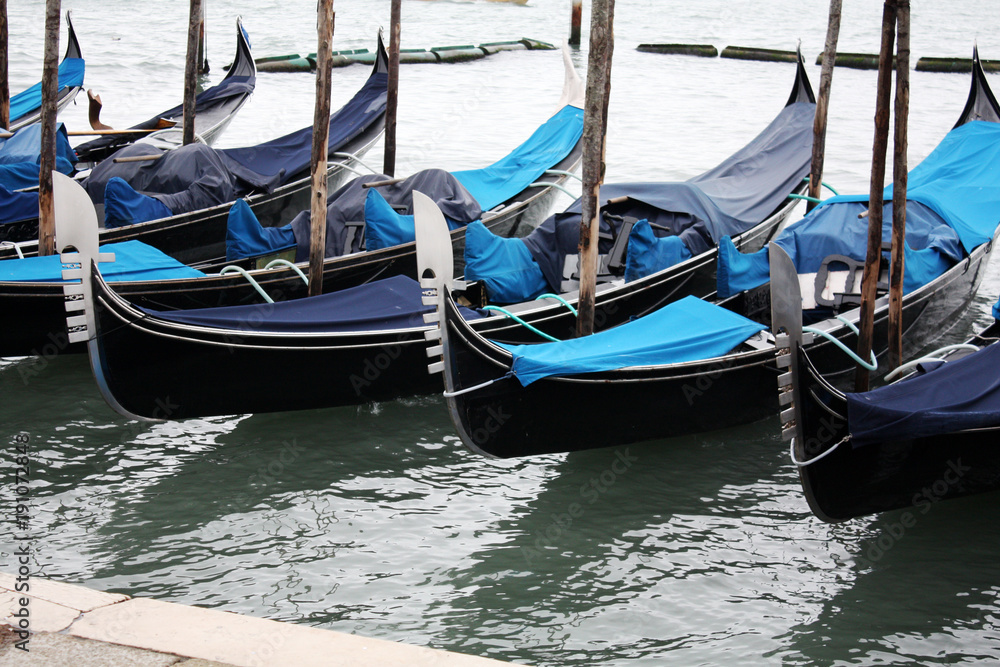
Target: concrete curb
73 625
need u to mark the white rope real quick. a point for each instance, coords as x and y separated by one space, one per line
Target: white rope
803 464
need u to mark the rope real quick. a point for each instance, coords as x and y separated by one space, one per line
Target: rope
930 357
285 262
355 158
803 464
15 246
806 197
560 172
557 186
517 319
824 184
449 394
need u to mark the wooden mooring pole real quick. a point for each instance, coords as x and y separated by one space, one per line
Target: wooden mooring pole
4 73
47 159
899 179
595 123
202 43
321 134
576 15
391 103
191 71
823 102
872 260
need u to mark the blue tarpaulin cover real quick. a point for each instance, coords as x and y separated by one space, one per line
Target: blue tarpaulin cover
134 260
245 237
953 199
393 303
505 266
685 330
958 395
506 177
649 253
71 72
996 311
124 206
20 155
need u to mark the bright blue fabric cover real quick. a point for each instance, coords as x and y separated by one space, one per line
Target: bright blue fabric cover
648 253
245 237
952 201
687 330
124 206
71 71
996 311
549 144
289 156
505 266
21 154
15 206
134 260
393 303
957 395
384 227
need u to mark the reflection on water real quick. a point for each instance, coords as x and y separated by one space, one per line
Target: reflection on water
375 520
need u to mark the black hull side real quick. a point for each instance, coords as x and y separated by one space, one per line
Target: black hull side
898 474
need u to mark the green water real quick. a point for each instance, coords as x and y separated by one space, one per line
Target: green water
375 520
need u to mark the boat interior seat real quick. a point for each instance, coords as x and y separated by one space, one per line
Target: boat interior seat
837 283
610 265
355 232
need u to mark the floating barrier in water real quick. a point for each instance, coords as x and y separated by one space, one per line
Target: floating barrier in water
954 65
438 54
855 60
753 53
700 50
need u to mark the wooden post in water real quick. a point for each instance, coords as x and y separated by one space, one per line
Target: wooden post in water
899 177
576 14
595 122
822 103
872 260
47 159
202 43
4 74
191 70
391 103
321 134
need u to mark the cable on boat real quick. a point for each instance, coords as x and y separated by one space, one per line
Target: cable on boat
825 185
557 186
848 351
293 267
930 357
504 311
356 159
803 464
558 298
243 272
563 172
449 394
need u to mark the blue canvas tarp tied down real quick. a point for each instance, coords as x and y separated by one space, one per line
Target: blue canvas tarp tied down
958 395
505 266
685 330
288 158
729 199
952 201
71 73
245 237
21 154
996 311
547 146
393 303
134 260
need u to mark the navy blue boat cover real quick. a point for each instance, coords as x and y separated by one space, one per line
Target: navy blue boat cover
952 199
134 260
393 303
71 73
962 394
21 154
686 330
734 196
197 176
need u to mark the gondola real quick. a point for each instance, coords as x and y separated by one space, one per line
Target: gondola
928 437
518 400
214 109
26 106
38 305
377 357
